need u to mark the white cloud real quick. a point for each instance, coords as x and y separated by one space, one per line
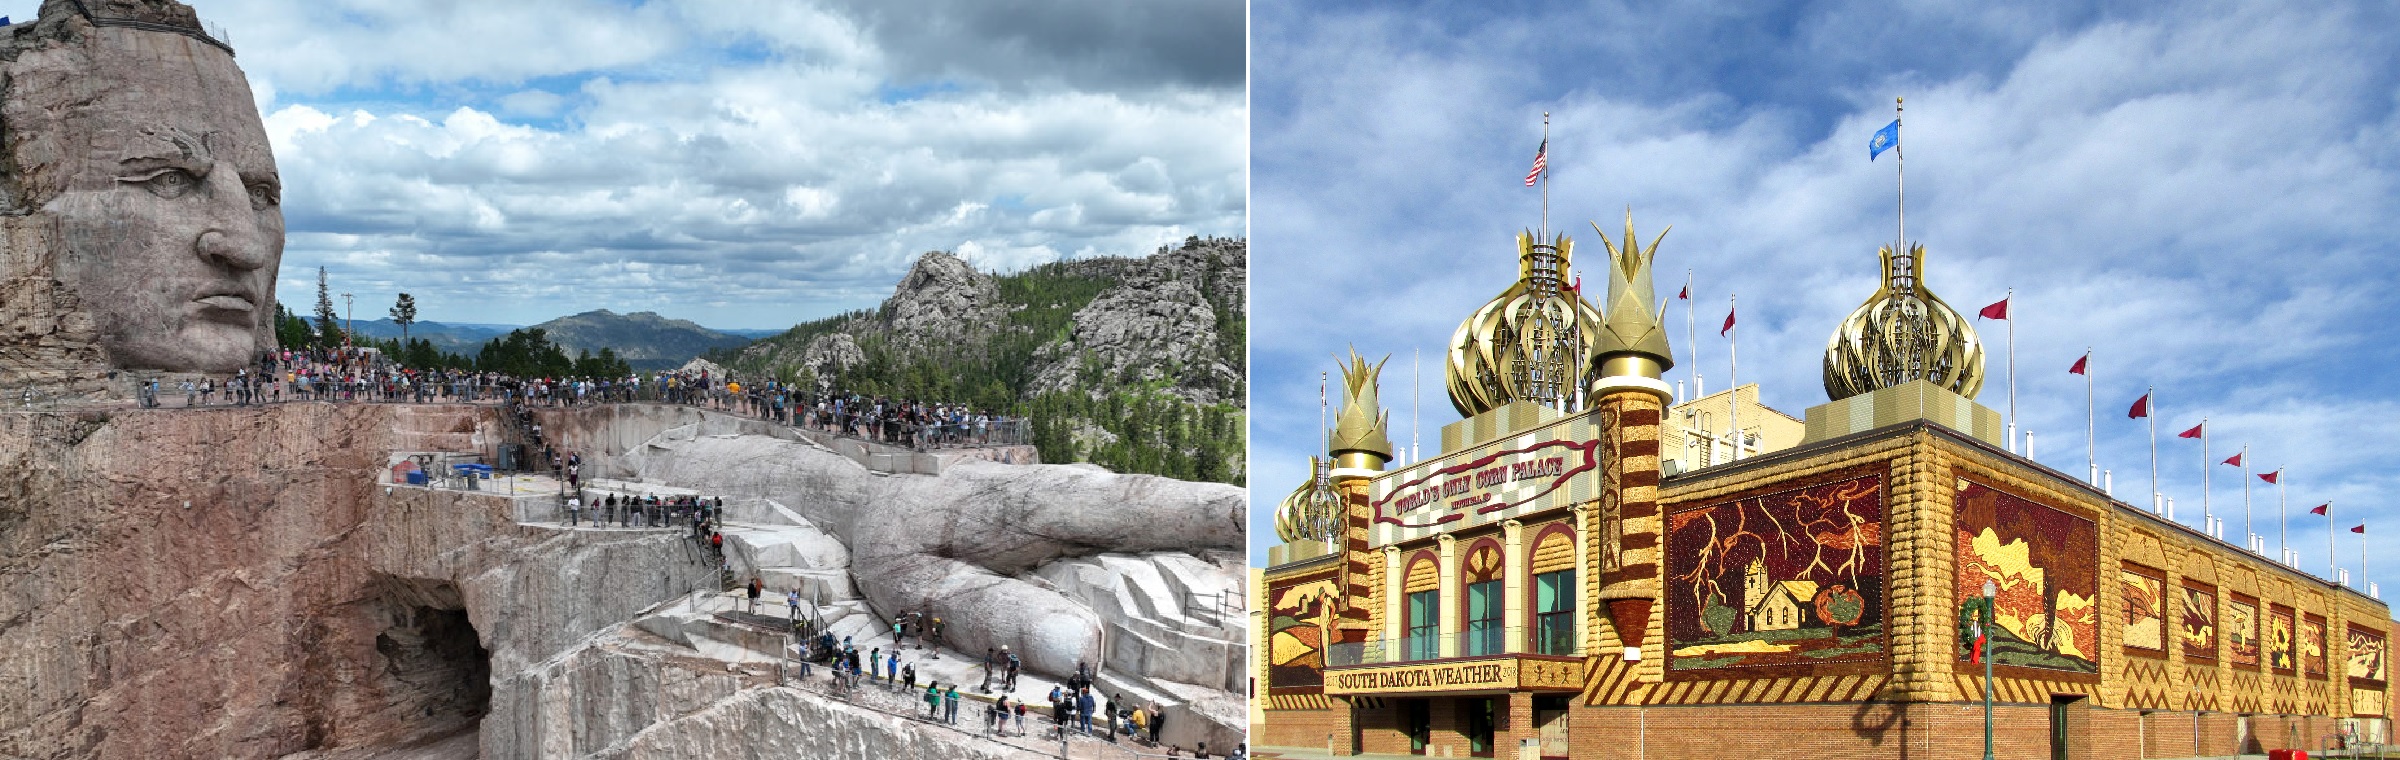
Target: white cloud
739 164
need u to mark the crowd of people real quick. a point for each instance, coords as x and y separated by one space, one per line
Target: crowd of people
351 374
1075 706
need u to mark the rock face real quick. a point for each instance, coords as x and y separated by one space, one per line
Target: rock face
131 133
1065 565
955 543
299 606
943 299
830 355
1143 331
292 605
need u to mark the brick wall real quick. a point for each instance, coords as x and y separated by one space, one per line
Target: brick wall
1951 731
1298 728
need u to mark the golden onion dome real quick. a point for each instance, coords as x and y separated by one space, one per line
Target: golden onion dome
1532 342
1903 333
1312 512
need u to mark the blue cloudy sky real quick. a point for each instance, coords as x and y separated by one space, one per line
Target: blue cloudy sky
2206 194
741 164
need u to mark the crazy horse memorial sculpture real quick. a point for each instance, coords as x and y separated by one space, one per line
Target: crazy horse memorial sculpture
138 197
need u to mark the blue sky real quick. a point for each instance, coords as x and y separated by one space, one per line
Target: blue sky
740 164
2203 193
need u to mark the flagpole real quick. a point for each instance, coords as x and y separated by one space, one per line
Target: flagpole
1691 331
2283 532
2011 299
1546 180
2246 532
2091 421
2334 565
1900 178
1733 381
2152 395
1416 396
2207 479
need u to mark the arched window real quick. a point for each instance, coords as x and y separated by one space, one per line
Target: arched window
1422 639
1485 601
1553 571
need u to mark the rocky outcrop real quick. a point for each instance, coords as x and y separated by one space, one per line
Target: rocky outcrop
941 301
1144 331
831 354
1173 316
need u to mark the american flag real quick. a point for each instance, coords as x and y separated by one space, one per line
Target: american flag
1541 161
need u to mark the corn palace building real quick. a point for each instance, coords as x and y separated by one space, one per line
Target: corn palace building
1590 569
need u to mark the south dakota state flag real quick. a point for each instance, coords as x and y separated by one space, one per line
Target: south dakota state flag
1885 139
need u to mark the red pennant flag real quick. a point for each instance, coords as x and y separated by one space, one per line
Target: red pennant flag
2192 433
1995 311
2079 365
2141 408
2270 476
2362 528
2235 460
1685 294
1728 324
2321 508
1578 286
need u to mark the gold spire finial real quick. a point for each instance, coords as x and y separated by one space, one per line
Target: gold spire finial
1902 333
1532 342
1631 338
1360 427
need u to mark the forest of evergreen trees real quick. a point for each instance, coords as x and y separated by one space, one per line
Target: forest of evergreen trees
524 352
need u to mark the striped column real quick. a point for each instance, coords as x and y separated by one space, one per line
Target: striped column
1627 543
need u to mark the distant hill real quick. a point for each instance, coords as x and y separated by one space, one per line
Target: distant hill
461 338
643 339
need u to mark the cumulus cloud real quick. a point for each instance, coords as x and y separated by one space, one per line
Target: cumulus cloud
2202 194
745 165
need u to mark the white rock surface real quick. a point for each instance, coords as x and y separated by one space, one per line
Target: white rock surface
1064 564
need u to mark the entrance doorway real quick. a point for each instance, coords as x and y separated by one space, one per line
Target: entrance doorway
1483 717
2060 705
1416 720
1550 725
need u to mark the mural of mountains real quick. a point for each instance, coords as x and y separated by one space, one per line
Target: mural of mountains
643 339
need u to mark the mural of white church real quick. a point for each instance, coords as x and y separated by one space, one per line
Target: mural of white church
1772 605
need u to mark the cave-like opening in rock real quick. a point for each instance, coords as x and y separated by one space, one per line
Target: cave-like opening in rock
436 673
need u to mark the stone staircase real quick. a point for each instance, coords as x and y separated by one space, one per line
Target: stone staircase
1165 622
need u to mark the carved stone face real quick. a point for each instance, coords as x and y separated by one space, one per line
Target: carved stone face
169 207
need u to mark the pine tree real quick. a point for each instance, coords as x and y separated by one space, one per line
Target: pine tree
329 325
404 313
